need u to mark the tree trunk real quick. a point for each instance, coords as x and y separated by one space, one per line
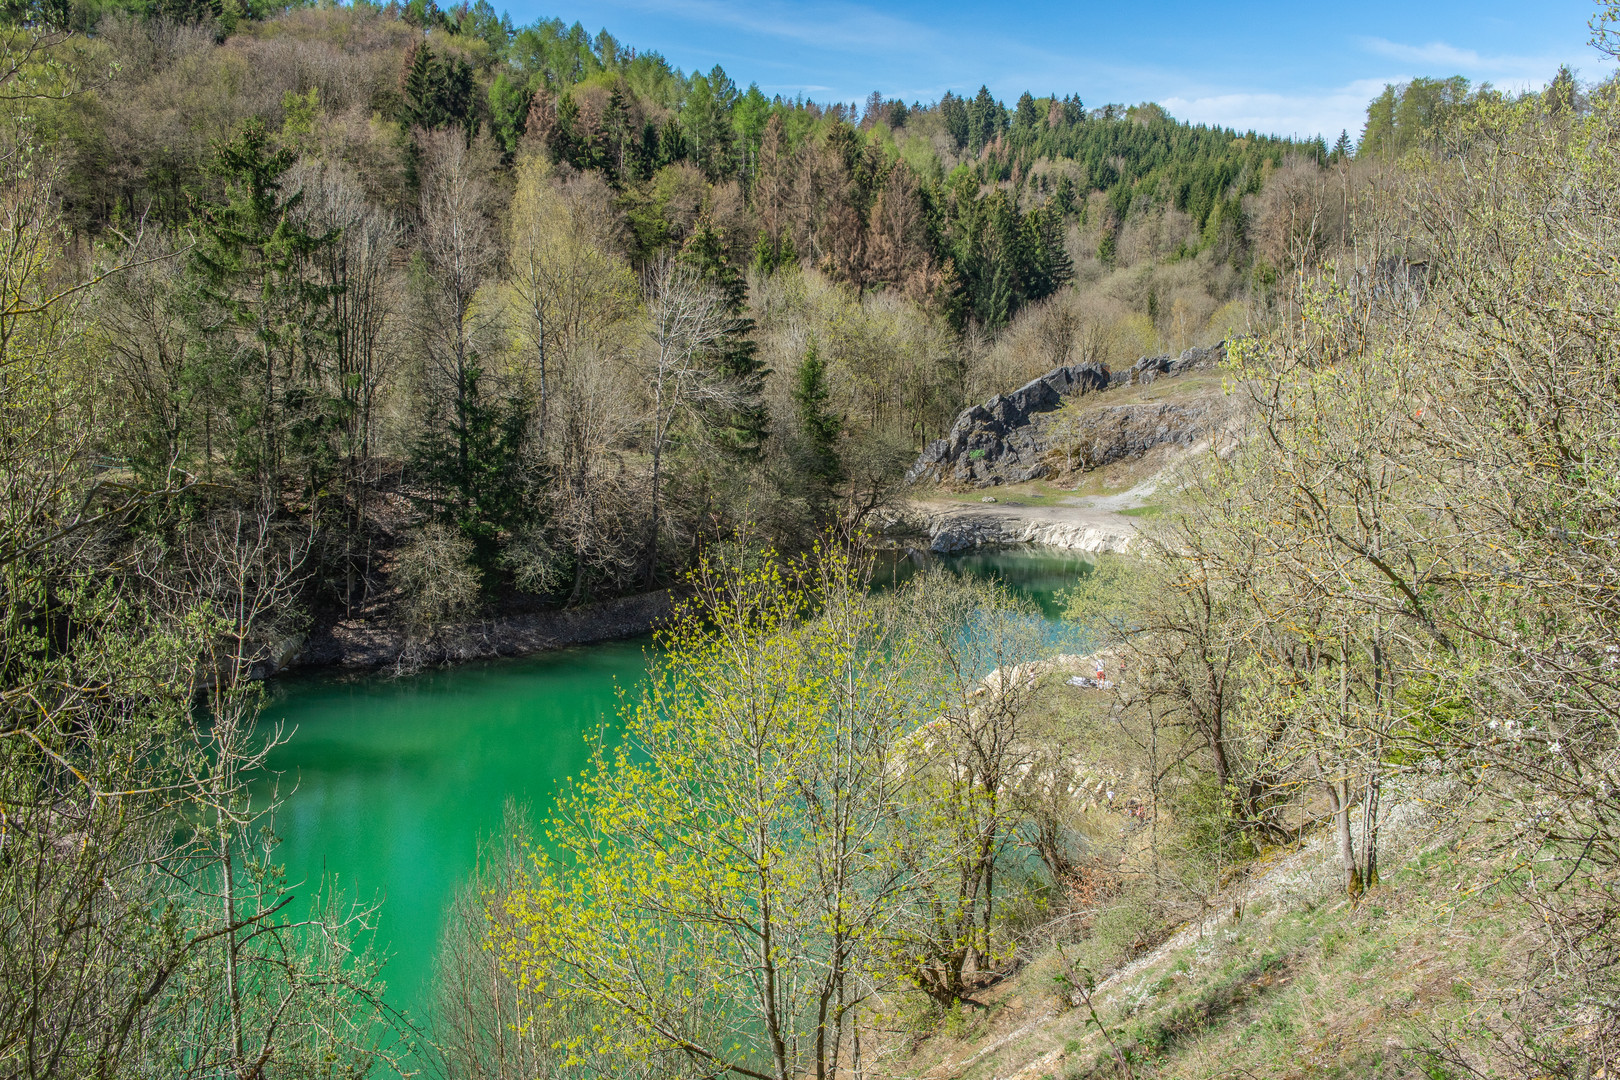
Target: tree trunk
657 476
1339 800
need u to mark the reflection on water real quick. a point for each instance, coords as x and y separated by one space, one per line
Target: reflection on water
1038 574
393 780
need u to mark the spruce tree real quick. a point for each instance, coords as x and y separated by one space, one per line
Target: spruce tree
954 112
458 90
671 144
987 118
471 466
265 321
737 356
1064 197
818 427
622 161
1048 254
1026 119
421 89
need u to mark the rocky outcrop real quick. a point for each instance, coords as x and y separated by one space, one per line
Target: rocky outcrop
961 530
991 432
1149 368
1126 432
1004 441
950 528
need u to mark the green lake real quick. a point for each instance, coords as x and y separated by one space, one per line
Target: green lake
388 783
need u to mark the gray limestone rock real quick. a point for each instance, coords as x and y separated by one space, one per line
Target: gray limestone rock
1001 441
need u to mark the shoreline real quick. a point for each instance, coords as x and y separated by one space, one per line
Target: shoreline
360 646
949 527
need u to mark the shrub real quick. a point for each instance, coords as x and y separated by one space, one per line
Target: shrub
436 577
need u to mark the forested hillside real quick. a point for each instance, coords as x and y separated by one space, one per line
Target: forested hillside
500 308
402 317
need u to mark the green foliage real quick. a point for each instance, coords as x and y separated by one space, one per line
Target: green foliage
471 464
786 774
1410 115
251 261
818 425
1004 258
139 884
736 354
1104 595
711 814
437 93
509 103
706 121
553 54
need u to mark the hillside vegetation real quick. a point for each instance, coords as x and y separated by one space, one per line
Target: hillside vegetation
532 314
413 316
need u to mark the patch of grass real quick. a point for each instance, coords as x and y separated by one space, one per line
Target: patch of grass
1151 511
1316 991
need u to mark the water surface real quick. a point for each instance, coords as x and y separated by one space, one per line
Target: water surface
393 781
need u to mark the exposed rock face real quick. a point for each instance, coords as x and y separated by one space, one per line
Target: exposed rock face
958 532
1004 442
993 432
1126 432
957 528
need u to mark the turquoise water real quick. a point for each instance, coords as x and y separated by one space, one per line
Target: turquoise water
388 784
396 779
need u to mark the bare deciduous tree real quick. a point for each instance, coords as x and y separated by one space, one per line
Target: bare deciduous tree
687 319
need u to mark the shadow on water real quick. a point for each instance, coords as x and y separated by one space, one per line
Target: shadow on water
389 783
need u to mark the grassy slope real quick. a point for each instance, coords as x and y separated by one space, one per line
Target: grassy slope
1298 989
1285 978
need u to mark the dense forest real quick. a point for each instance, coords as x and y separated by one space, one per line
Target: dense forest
410 316
558 297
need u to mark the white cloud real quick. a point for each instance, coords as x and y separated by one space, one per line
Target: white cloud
1305 113
842 49
1438 58
1328 110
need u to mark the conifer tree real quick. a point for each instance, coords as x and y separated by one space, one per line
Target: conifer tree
817 425
954 112
472 464
986 118
1064 197
421 89
671 144
266 319
1026 119
436 93
1047 256
736 354
622 162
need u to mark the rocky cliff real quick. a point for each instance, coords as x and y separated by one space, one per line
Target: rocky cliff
1011 439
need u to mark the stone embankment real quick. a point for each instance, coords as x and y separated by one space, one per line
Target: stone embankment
364 645
1012 438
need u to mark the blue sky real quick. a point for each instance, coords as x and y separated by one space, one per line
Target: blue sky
1286 68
